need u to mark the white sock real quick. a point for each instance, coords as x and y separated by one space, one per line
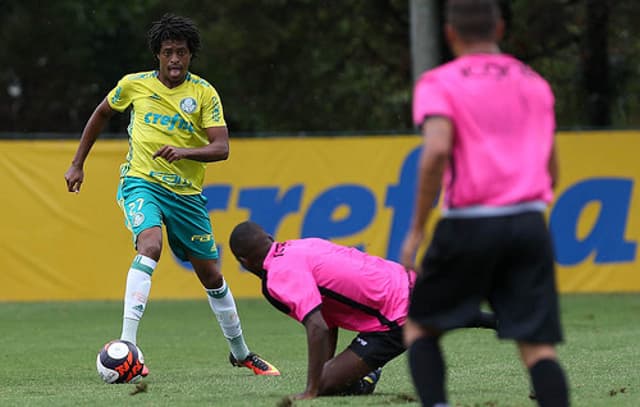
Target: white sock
224 307
136 295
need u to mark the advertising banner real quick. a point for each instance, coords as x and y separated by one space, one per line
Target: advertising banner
357 191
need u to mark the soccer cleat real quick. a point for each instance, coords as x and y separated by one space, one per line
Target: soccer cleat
145 371
365 385
369 381
256 364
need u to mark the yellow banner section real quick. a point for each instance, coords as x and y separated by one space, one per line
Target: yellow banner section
357 191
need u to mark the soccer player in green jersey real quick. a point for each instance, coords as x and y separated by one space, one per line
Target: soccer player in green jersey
177 126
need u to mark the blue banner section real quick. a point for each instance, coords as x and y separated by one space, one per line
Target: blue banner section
606 240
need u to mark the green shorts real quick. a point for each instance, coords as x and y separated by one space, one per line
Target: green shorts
146 204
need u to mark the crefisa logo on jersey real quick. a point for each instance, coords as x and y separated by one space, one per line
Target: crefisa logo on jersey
188 105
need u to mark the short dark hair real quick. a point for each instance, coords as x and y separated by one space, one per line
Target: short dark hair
176 28
473 20
244 238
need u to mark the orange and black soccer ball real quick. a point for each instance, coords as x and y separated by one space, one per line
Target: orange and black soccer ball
120 362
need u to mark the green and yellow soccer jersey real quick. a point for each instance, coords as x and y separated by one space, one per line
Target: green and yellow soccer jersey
162 116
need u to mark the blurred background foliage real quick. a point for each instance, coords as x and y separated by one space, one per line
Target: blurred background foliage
301 66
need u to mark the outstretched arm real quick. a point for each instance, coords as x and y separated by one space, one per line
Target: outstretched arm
216 150
99 118
436 148
328 374
320 348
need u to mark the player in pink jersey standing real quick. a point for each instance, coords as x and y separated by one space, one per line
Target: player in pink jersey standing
488 125
326 286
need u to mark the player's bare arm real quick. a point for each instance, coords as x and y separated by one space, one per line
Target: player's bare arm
319 349
438 141
216 150
99 118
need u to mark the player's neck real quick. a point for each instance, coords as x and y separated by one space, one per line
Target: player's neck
170 84
478 48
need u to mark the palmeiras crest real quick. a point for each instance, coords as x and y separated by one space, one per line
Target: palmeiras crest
188 105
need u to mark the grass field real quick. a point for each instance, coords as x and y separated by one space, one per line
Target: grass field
48 350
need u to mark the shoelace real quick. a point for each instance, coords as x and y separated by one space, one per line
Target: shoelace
255 359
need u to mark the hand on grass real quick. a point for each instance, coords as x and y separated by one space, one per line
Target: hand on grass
287 401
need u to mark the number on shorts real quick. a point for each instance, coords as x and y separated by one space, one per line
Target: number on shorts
132 206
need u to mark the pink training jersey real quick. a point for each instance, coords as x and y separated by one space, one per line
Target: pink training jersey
504 124
352 289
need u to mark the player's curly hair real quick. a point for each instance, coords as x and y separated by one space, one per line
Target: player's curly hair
177 28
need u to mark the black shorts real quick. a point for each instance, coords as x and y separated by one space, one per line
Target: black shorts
505 260
377 348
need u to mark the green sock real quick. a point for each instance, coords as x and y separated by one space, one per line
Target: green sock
239 348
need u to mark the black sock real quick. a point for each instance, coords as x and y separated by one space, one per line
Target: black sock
428 371
549 384
484 320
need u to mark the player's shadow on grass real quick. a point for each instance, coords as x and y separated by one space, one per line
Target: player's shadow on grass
371 399
381 398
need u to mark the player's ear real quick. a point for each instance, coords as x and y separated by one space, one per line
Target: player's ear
242 260
450 33
453 39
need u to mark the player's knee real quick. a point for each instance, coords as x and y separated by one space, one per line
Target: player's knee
412 332
211 278
215 280
532 353
328 387
150 248
149 243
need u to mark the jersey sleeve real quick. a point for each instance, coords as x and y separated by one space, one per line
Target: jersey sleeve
429 99
212 113
295 289
120 97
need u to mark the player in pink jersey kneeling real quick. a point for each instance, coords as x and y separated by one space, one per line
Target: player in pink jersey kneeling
326 286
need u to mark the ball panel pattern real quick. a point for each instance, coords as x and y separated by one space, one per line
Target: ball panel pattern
120 362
